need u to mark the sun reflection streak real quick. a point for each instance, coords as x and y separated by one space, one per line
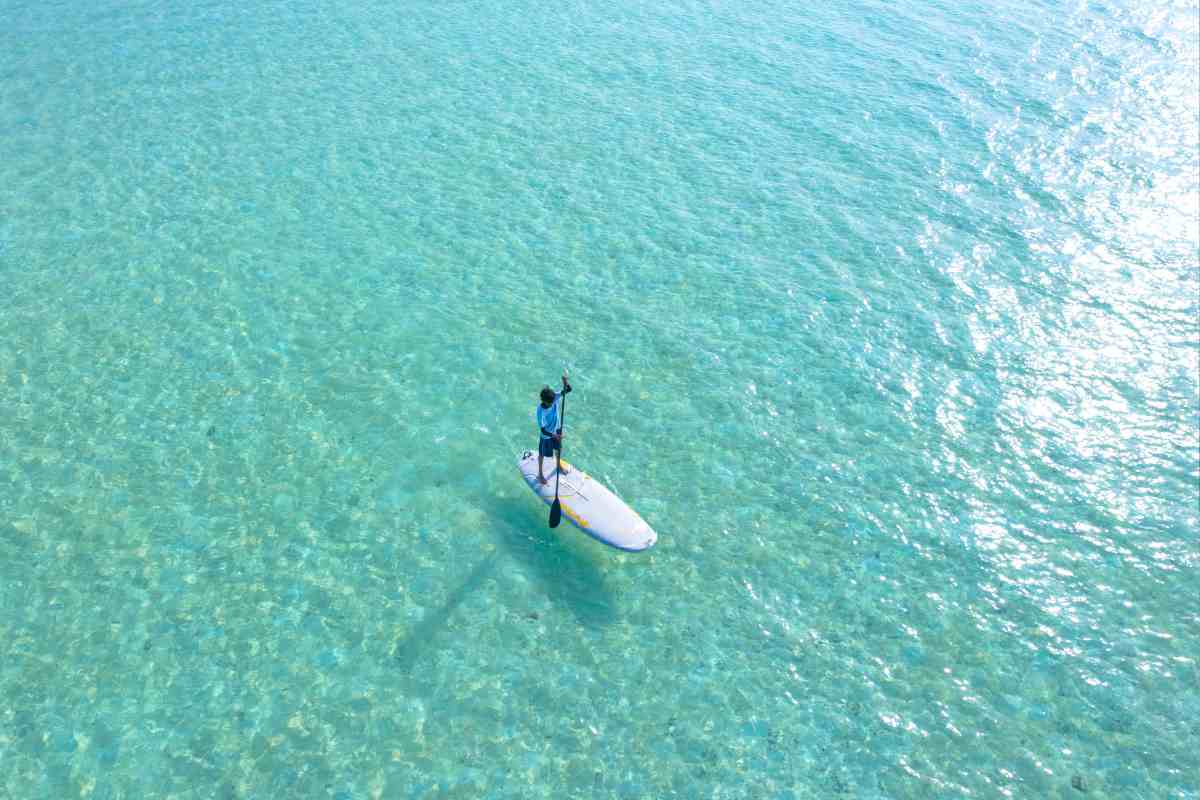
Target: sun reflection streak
1107 207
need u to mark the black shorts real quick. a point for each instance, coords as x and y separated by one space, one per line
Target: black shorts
547 446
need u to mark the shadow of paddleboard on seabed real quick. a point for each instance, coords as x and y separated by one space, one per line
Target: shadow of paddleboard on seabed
560 567
558 562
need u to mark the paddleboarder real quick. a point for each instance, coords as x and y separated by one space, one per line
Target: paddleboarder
549 422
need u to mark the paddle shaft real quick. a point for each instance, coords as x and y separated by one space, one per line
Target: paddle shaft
562 419
556 508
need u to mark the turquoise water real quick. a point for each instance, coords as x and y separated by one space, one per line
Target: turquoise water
883 315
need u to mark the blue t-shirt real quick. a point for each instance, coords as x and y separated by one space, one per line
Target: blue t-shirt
547 418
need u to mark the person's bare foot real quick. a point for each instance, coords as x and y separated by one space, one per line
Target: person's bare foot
541 480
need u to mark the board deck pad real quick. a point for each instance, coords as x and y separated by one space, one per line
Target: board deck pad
588 504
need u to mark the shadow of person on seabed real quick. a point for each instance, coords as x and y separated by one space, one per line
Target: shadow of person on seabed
557 560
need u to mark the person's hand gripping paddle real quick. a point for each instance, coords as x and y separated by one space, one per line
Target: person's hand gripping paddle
556 508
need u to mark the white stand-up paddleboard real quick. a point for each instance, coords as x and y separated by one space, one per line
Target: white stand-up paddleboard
590 505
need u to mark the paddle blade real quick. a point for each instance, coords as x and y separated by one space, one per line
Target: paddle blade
555 513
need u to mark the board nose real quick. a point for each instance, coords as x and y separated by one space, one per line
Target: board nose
646 534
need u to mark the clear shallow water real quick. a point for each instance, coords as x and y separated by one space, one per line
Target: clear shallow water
884 317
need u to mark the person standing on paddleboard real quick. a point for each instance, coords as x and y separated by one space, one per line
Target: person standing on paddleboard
550 425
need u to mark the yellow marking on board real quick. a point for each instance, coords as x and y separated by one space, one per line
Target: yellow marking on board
580 521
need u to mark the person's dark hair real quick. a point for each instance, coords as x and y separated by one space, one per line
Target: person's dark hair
547 394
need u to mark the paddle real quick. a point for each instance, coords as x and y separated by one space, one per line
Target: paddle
556 508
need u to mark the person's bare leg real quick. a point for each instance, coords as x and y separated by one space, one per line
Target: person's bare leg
541 478
561 468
